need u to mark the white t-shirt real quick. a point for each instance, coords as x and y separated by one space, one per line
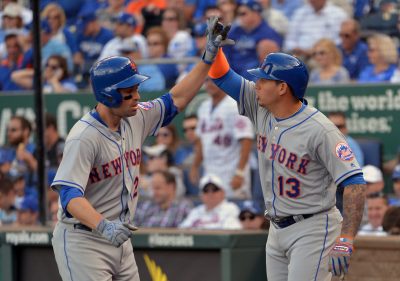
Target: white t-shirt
368 229
223 216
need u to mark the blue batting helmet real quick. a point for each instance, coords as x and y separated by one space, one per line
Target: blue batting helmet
111 74
286 68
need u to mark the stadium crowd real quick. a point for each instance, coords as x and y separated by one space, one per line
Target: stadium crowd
210 178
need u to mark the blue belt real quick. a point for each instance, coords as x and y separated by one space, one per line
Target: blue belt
287 221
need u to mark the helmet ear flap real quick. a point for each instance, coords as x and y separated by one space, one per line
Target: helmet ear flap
111 97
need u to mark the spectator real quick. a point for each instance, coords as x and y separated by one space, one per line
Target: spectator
250 32
329 69
252 216
287 7
131 50
26 14
28 212
49 47
150 14
311 22
91 39
11 63
157 40
391 221
215 212
168 136
275 18
8 214
395 199
158 158
201 7
11 23
185 152
374 178
354 51
382 54
18 154
339 119
377 205
124 32
56 18
164 209
384 21
54 144
180 42
224 144
227 8
55 76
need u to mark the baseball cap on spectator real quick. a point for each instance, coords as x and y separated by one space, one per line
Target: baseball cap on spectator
199 30
210 182
251 207
84 18
125 18
155 150
372 174
251 4
12 10
396 173
29 203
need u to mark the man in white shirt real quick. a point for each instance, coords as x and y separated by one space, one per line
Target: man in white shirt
377 205
311 22
215 212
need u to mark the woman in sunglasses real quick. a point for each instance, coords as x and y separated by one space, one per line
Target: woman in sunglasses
56 78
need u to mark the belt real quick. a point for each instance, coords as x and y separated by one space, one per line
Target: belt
82 227
287 221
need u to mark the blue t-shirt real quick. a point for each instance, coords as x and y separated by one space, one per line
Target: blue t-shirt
356 60
170 73
91 46
243 55
368 74
6 84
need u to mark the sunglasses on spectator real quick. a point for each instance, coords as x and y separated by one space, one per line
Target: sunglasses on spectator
52 66
189 129
241 14
247 216
164 135
340 126
319 53
155 43
170 19
210 188
12 130
345 35
56 17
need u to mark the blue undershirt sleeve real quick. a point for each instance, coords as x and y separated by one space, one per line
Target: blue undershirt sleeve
354 179
66 194
170 109
230 83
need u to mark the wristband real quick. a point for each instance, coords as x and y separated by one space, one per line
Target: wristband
239 173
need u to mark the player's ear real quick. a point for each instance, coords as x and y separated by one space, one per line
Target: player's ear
284 88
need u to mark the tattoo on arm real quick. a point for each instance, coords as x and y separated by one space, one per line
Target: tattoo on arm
353 208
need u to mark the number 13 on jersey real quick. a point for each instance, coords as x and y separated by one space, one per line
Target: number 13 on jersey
289 187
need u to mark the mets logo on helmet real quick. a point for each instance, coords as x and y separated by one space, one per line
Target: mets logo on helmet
133 65
344 152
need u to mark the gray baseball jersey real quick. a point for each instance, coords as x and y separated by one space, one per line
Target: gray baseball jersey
104 164
300 157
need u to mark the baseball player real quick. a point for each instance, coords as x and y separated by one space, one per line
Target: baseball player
98 177
302 158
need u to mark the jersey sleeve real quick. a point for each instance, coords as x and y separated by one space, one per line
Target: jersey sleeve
339 159
157 113
243 129
248 104
76 165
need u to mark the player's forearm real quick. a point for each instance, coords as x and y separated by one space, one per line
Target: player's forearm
185 90
353 208
245 150
82 210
